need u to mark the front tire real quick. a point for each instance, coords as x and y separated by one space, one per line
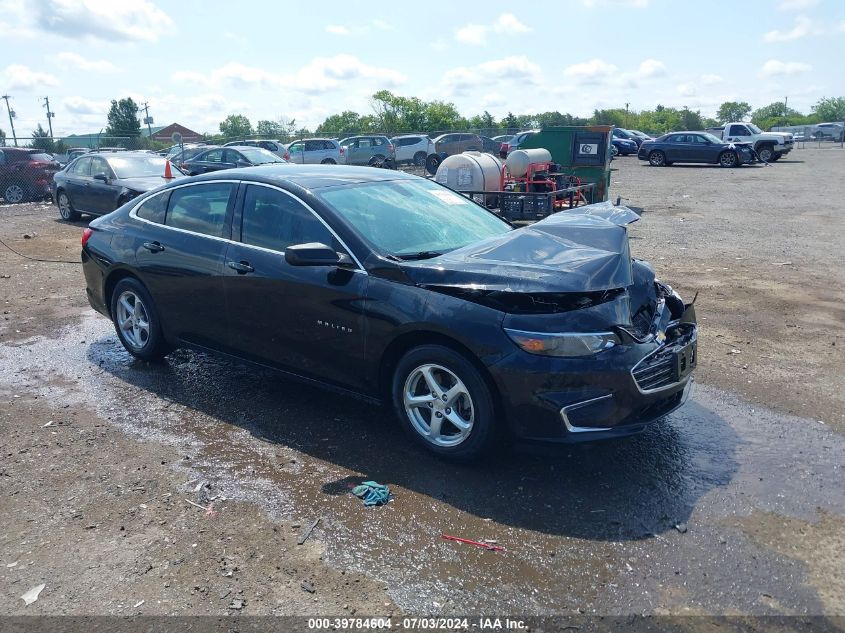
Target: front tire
728 159
66 209
136 321
657 158
765 153
444 403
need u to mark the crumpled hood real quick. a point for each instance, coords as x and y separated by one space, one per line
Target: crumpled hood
580 250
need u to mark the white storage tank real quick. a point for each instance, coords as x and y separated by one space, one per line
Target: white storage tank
519 159
470 171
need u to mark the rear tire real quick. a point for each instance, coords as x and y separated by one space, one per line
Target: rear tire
775 157
657 158
66 209
328 161
444 403
136 321
15 193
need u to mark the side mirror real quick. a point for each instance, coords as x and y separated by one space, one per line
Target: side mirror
243 163
101 177
312 254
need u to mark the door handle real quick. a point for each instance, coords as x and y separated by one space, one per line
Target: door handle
241 267
153 247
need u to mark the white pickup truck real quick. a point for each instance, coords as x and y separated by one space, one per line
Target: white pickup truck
770 146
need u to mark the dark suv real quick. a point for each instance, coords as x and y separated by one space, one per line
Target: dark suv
456 143
25 174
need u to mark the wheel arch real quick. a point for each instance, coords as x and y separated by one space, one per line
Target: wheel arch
405 342
112 279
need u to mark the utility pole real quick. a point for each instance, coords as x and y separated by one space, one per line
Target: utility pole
785 110
11 116
148 120
627 122
50 116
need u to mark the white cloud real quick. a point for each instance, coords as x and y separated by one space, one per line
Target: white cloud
509 23
776 68
796 5
318 75
70 60
840 27
651 68
132 20
710 80
381 25
476 34
686 89
471 34
591 72
803 27
81 105
627 4
514 68
18 76
337 29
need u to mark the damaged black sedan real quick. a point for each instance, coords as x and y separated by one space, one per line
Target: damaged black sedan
396 288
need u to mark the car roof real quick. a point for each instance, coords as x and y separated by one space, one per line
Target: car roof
308 176
110 154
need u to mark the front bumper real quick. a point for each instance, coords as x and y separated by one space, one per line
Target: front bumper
616 393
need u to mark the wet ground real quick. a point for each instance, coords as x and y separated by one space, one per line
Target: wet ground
726 507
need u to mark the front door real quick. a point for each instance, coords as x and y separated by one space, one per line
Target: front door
102 195
181 259
307 319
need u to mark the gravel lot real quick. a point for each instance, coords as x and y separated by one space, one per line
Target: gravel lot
733 505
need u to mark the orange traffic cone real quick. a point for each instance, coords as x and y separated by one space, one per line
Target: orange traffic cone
168 175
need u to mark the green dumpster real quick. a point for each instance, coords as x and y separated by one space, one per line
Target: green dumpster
583 152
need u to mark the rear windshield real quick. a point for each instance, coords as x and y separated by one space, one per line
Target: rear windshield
138 166
44 158
259 156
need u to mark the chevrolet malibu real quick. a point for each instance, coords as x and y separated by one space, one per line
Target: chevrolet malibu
397 289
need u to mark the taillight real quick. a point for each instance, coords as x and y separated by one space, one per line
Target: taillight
286 156
343 151
506 147
389 147
86 235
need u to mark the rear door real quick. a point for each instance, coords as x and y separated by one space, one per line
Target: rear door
179 257
304 318
676 146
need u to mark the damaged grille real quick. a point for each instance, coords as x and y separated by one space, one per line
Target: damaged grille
670 363
658 370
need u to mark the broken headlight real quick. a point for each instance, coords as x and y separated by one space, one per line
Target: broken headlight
563 344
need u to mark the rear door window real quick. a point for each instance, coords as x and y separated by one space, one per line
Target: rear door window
200 208
154 209
214 156
275 220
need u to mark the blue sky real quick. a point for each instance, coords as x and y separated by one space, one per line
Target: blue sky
196 61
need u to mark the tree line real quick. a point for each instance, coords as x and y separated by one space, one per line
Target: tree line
394 114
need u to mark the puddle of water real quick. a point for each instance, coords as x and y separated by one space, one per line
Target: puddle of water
585 526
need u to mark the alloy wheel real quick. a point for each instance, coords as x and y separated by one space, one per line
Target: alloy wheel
133 320
64 206
13 194
439 405
657 159
728 159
